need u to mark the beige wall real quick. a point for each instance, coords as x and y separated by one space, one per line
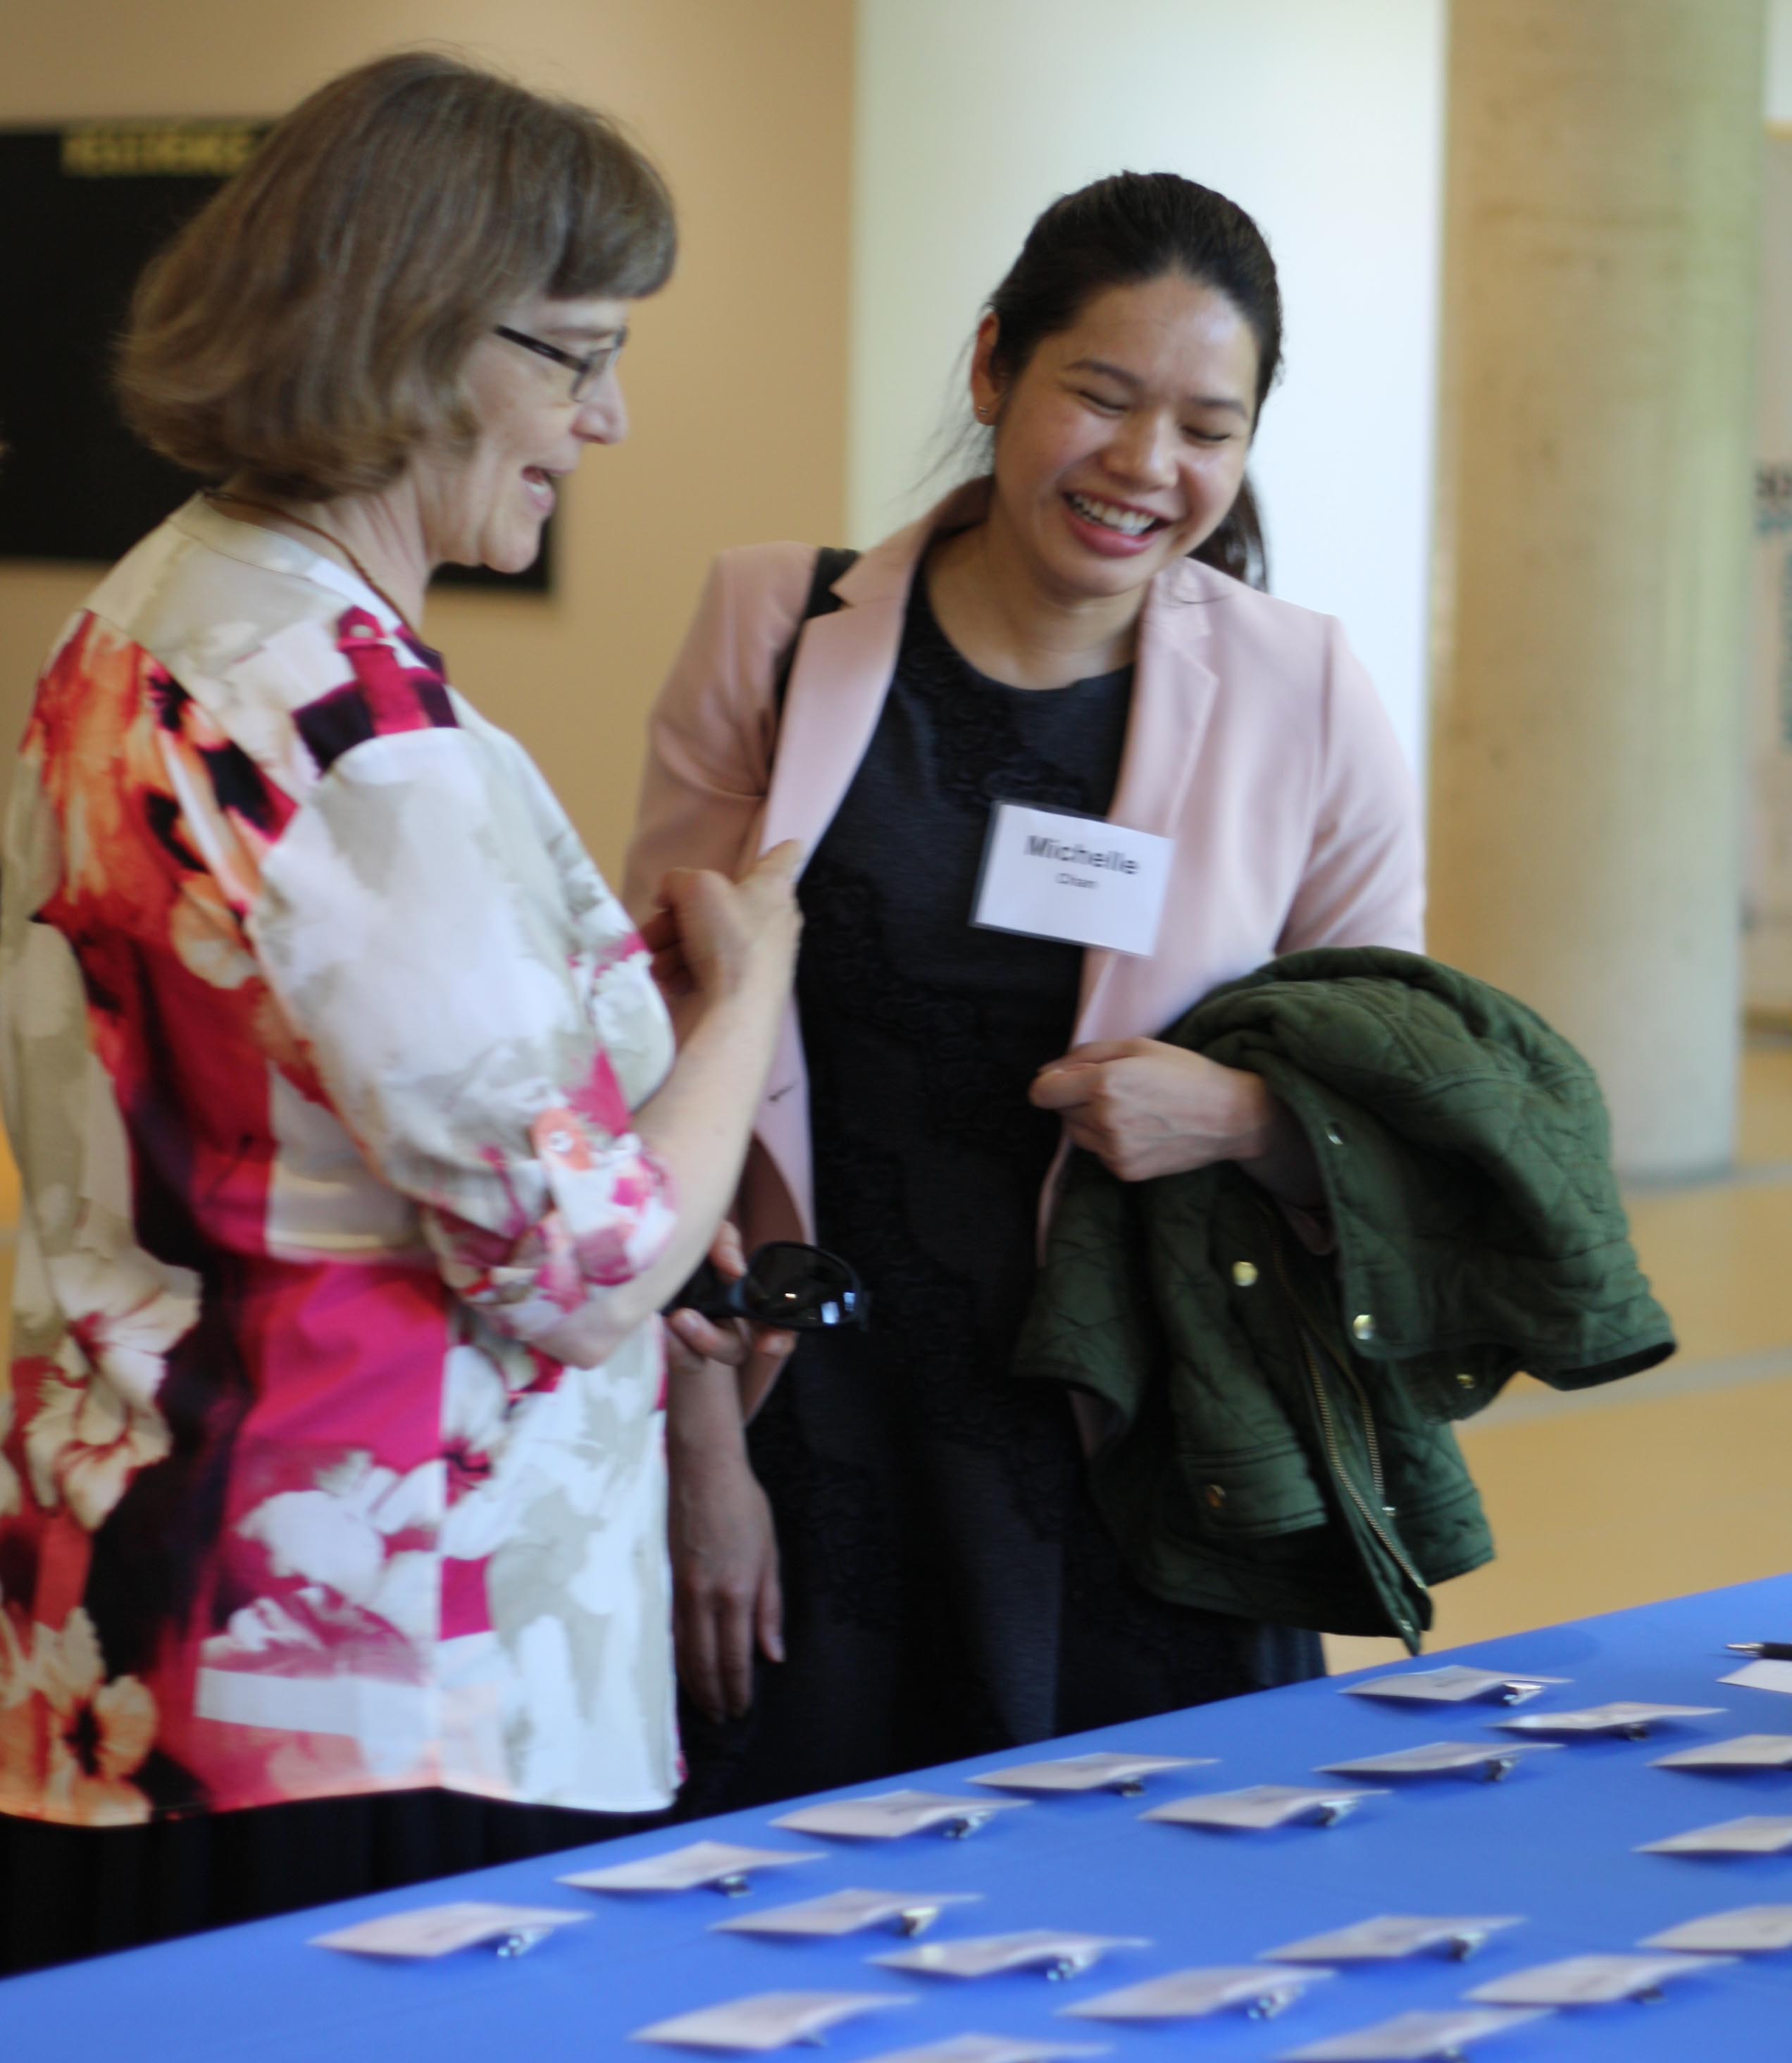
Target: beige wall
736 379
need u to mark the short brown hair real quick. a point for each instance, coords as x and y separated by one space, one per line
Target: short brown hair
310 325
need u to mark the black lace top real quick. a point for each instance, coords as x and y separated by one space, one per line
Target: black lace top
923 1031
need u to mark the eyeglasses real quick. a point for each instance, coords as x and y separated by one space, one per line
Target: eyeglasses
586 371
797 1288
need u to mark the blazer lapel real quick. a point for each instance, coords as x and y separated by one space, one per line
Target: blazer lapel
1172 701
842 672
836 689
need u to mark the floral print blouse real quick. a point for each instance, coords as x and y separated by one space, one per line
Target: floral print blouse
319 1038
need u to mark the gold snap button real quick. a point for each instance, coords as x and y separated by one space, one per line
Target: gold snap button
1362 1325
1216 1495
1244 1274
1464 1381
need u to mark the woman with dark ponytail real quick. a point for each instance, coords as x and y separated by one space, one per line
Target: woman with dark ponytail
1127 232
899 1529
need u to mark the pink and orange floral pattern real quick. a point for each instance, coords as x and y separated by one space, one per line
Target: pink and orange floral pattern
72 1739
318 1039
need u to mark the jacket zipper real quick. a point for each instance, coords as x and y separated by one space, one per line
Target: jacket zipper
1371 1515
1367 1418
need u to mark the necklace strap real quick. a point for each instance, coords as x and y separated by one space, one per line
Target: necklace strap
216 495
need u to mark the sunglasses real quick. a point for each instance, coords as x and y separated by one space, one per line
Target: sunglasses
798 1288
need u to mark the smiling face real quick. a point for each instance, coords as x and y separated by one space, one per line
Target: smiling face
486 506
1121 443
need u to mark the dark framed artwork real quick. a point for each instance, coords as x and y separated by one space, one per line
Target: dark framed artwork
82 209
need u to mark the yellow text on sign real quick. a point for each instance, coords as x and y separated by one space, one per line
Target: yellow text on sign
164 150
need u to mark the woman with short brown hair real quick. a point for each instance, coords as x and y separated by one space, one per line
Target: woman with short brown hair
312 328
356 1160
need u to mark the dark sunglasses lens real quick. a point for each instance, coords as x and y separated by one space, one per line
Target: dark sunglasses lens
801 1287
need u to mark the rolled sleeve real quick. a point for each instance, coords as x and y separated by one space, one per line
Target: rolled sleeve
414 927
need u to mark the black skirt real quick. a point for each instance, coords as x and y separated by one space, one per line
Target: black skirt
69 1892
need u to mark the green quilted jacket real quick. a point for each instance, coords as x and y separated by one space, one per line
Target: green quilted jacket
1276 1436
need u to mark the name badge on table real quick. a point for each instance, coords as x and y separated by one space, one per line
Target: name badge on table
1090 884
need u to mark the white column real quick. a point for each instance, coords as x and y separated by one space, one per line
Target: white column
1596 434
1767 936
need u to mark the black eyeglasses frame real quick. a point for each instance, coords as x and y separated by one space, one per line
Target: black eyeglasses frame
586 370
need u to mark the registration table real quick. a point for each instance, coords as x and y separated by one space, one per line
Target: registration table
1555 1841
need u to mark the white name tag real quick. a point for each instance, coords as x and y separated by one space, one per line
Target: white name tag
1077 879
430 1931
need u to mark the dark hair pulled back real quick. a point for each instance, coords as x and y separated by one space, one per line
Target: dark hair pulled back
1125 231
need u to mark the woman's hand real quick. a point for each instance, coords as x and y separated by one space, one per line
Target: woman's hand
726 1598
725 1595
712 939
1145 1108
694 1341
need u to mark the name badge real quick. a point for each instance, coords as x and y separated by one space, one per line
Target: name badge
1077 879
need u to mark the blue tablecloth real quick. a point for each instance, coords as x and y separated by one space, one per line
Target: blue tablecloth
1555 1841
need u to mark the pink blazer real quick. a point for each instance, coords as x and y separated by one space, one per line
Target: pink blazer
1255 741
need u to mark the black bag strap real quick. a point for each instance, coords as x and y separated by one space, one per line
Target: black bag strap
831 563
